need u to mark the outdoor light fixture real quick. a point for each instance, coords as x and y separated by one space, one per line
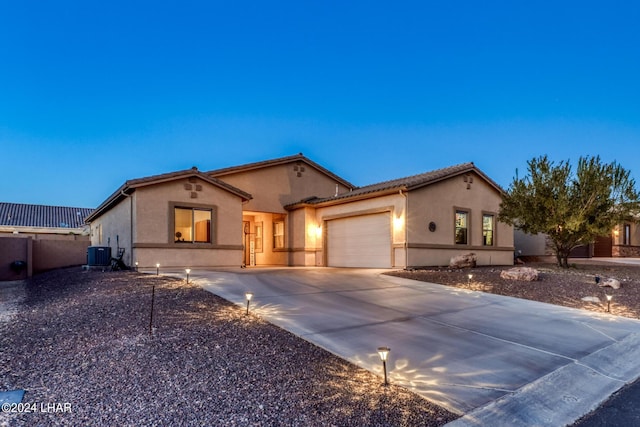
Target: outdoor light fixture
609 297
469 276
384 353
248 295
136 265
188 270
157 269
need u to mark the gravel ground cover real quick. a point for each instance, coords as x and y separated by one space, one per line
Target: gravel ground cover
81 341
555 285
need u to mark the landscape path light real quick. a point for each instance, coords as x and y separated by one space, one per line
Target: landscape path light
248 296
136 266
157 269
469 277
384 353
609 297
187 270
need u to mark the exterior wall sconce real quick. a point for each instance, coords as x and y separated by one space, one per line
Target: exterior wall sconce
248 296
157 269
383 352
319 231
187 270
398 222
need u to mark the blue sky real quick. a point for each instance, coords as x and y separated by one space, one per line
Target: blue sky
95 93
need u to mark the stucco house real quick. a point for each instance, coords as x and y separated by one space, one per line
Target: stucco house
291 211
623 241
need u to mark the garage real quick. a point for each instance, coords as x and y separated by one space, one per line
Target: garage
359 241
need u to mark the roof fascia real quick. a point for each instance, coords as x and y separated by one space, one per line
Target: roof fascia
346 199
280 161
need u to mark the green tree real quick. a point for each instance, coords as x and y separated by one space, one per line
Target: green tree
571 208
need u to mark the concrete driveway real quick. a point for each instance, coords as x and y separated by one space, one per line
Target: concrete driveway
498 360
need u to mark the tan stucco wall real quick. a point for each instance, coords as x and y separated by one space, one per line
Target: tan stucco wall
394 204
151 208
437 203
276 186
154 213
113 229
306 238
15 249
50 254
268 256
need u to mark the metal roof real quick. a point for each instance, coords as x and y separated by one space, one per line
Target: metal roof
25 215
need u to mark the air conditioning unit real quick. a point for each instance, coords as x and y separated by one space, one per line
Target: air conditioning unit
98 255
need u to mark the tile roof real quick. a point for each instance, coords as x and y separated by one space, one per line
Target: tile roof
273 162
129 187
24 215
407 183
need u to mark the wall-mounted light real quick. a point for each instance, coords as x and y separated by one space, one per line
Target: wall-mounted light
398 222
319 231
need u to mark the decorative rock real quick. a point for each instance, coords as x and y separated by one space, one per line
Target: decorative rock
462 261
592 299
526 274
613 283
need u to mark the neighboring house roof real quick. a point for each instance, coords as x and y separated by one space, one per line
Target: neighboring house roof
42 216
279 161
406 184
130 186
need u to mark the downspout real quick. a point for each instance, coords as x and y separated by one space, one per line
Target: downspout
130 223
406 230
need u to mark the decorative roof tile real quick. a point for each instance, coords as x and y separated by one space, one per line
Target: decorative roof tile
274 162
407 183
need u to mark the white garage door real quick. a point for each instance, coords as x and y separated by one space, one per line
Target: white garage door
360 241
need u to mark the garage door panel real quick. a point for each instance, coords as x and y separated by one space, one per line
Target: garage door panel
360 241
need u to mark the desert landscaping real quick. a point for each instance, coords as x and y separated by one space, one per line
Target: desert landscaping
86 338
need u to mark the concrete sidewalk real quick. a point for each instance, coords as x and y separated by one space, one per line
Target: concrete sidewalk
500 361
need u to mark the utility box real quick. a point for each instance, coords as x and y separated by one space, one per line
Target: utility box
98 255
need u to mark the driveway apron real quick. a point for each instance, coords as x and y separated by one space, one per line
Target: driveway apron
497 360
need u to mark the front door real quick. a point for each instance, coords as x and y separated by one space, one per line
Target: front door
248 243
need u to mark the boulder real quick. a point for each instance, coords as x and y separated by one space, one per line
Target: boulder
613 283
526 274
462 261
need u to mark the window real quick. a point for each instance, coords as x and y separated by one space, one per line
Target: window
487 230
461 227
258 237
192 225
278 233
627 235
